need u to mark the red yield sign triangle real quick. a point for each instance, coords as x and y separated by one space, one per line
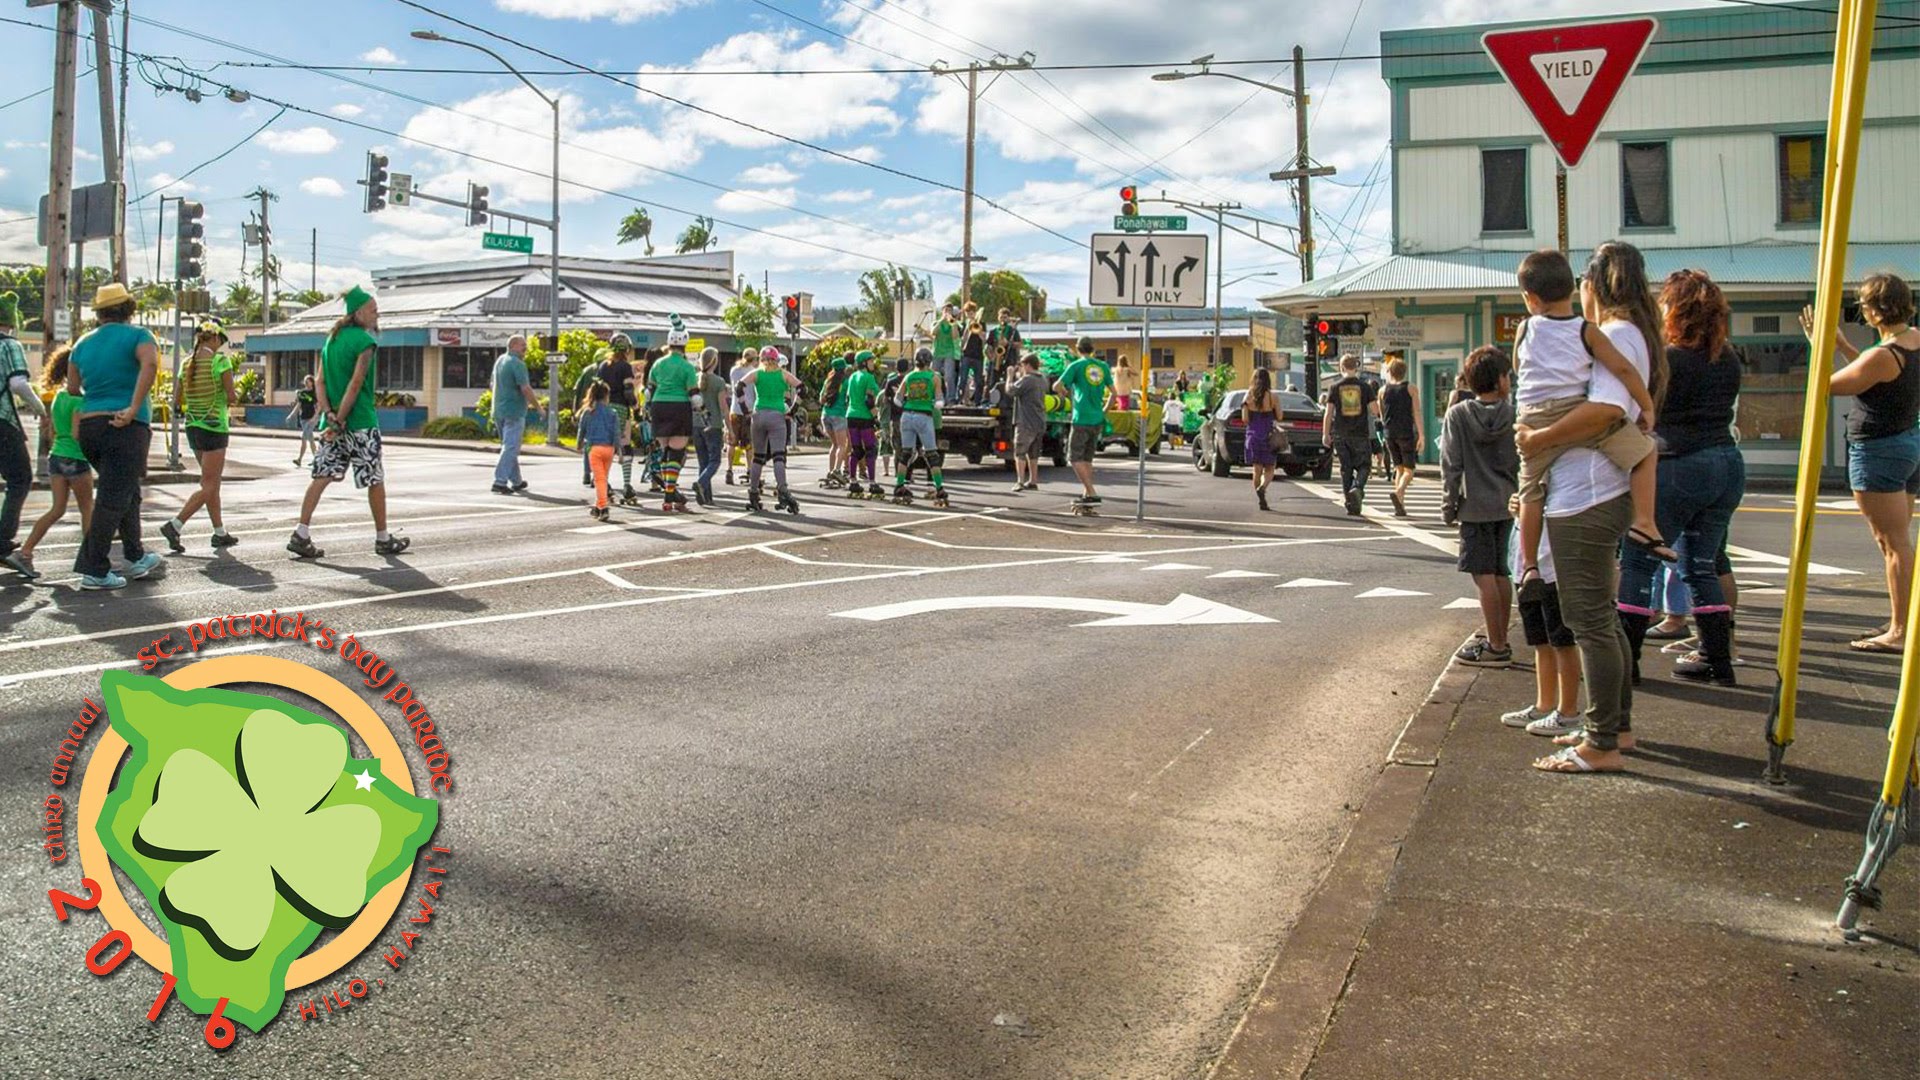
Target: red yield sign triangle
1568 76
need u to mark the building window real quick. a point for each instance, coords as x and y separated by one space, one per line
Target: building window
1226 355
1503 190
1803 162
289 368
1646 186
400 368
466 369
1163 358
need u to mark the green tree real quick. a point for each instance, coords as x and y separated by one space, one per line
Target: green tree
636 227
813 370
698 236
578 348
998 289
242 302
308 298
880 292
750 317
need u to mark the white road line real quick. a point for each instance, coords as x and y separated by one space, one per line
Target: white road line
1417 535
1385 593
615 579
1170 764
364 523
792 558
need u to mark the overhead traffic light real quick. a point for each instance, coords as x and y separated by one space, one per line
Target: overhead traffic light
1130 201
791 308
1340 327
188 251
1326 348
477 213
376 181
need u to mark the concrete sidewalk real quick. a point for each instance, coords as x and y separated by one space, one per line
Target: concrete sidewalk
1485 920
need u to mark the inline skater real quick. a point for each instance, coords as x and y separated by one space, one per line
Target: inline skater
773 390
671 383
862 394
918 397
833 420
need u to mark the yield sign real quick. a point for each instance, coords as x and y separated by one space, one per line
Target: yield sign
1568 76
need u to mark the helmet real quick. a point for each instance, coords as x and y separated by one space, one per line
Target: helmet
863 358
677 336
209 325
620 343
923 356
771 353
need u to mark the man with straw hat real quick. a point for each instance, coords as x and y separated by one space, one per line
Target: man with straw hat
16 464
350 433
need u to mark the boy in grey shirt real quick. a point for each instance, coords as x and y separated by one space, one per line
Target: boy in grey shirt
1027 389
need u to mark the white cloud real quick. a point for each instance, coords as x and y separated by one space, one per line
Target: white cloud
150 152
323 186
306 140
347 110
773 173
756 202
172 186
379 54
81 153
420 235
849 197
620 11
800 106
3 173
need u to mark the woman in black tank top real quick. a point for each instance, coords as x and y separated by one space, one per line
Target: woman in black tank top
1883 438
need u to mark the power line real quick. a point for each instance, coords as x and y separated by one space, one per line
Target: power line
1320 106
144 196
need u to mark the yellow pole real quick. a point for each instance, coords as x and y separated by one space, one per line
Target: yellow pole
1853 52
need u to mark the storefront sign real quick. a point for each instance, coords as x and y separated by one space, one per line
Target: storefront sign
447 337
1505 327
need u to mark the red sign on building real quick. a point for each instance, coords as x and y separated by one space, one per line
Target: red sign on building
1568 76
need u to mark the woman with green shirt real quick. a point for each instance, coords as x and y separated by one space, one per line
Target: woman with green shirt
350 428
672 382
113 368
67 470
773 389
202 394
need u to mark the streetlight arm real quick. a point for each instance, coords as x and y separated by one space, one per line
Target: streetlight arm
1225 75
501 60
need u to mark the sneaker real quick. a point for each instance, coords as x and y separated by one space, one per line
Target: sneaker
296 463
142 566
1353 504
303 547
1682 647
172 533
519 485
224 540
1522 717
1554 725
502 489
392 545
20 563
1399 504
1483 654
108 580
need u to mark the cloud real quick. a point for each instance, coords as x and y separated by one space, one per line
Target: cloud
152 152
409 234
773 173
800 106
848 196
620 11
173 187
324 186
306 140
379 54
756 202
347 110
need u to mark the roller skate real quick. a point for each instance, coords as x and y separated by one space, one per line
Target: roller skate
833 481
599 513
630 498
855 491
753 501
673 503
939 498
1086 506
786 502
873 490
902 495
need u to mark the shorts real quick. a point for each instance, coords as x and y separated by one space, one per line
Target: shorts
1540 621
1623 444
834 425
1889 463
1026 443
1484 547
917 432
673 420
739 428
68 468
202 441
1084 442
1403 453
769 433
360 449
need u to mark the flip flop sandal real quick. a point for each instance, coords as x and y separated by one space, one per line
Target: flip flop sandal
1654 633
1652 545
1570 761
1878 648
1575 738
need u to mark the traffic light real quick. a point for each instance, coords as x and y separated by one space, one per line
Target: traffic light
1130 201
792 311
376 181
1326 348
1340 327
188 251
477 204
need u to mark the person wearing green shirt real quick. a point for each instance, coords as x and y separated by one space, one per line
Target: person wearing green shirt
946 344
861 393
350 429
833 420
1088 382
671 383
202 394
919 400
68 474
772 388
16 463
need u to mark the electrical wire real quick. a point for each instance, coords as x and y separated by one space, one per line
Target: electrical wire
144 196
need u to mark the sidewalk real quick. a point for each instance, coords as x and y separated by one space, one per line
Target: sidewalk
1485 920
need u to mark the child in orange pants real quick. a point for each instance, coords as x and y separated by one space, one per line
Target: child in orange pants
600 432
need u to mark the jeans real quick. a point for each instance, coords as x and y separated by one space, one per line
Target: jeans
969 369
1586 548
1356 461
119 456
512 430
1698 495
710 447
948 368
16 468
1670 588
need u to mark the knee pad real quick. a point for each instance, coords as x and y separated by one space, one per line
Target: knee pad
934 458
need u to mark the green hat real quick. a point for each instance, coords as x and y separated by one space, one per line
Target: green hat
357 298
839 364
863 358
9 309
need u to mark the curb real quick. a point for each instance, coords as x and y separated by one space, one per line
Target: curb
1280 1034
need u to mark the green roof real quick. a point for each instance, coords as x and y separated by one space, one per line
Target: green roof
1711 35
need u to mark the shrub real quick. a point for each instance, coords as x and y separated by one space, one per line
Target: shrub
454 427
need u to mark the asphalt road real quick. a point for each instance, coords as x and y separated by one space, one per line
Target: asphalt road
707 824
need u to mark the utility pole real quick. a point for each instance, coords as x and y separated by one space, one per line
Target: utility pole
313 264
1000 64
266 257
60 177
110 140
1305 188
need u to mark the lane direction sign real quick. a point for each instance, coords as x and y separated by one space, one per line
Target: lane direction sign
1154 270
1569 75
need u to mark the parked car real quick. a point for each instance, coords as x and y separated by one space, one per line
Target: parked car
1221 445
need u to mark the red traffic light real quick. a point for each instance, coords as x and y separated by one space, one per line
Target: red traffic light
793 302
1322 327
1127 194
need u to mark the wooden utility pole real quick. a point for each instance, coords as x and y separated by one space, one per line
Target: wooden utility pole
999 64
266 257
60 176
1305 188
110 141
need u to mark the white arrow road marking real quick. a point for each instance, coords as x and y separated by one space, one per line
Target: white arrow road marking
1309 583
1241 574
1463 604
1384 593
1183 610
1778 564
1174 566
1114 559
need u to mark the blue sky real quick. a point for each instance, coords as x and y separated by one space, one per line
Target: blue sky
1054 147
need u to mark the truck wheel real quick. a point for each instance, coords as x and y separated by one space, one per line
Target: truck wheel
1199 461
1221 466
1324 470
974 459
1294 470
1155 448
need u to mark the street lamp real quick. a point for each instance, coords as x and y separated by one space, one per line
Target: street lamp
553 264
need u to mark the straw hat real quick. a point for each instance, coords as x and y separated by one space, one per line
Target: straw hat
112 294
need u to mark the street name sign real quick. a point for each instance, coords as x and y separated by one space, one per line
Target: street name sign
1137 223
1569 75
1162 270
494 241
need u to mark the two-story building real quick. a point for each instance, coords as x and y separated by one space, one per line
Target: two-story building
1711 158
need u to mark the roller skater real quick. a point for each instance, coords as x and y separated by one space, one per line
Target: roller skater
918 397
833 418
861 392
672 382
772 390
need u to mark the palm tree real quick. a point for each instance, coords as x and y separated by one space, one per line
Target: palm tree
637 225
698 236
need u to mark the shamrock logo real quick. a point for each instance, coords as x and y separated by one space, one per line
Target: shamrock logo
247 838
